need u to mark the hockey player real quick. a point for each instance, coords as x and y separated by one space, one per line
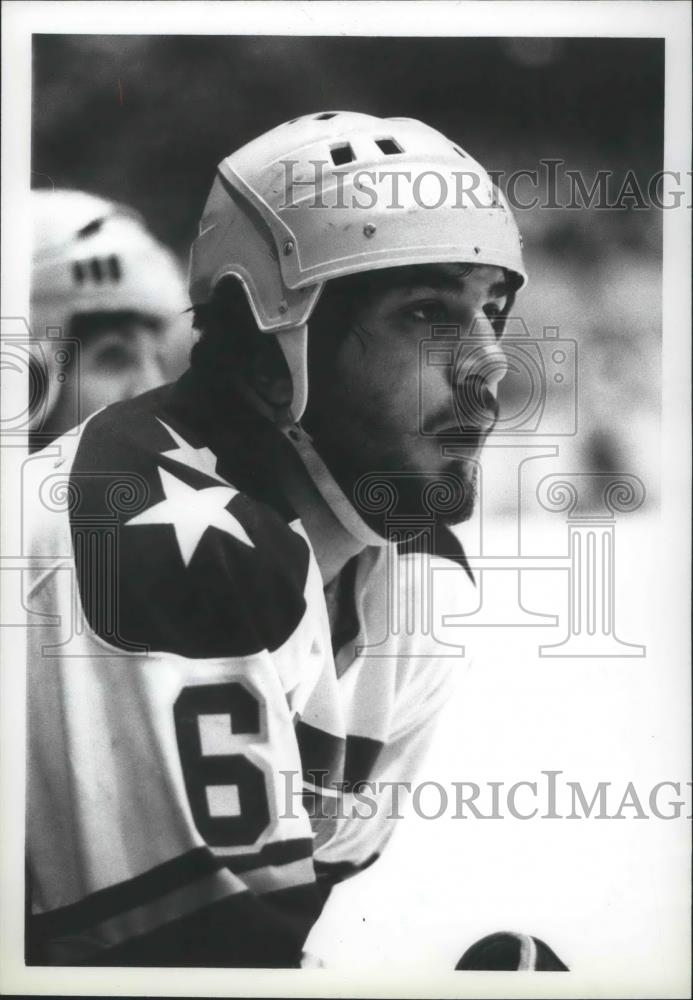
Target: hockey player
230 690
107 304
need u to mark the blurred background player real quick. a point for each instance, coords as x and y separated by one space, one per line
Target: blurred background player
107 310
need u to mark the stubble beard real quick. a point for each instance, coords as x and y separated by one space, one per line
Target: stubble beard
444 495
466 473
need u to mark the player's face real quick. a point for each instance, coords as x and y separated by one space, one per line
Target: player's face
392 403
116 361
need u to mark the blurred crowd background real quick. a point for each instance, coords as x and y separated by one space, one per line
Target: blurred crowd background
145 119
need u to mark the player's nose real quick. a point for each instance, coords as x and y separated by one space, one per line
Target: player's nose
482 358
481 366
476 403
493 367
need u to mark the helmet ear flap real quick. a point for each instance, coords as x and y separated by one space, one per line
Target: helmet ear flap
235 240
294 346
232 317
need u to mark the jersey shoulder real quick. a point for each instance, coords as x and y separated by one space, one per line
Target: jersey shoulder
169 554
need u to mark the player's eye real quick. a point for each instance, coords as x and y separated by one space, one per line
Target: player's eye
431 311
114 358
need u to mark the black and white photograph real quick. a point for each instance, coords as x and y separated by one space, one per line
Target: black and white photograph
346 495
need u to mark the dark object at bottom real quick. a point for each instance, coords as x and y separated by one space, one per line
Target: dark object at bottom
506 951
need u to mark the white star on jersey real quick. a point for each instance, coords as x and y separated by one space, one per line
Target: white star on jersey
201 459
191 512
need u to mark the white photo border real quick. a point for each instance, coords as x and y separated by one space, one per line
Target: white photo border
617 19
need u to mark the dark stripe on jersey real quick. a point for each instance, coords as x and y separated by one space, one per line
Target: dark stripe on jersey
327 763
330 874
171 875
336 871
280 853
361 755
346 626
321 807
322 755
240 931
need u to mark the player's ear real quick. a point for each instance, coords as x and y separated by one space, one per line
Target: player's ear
269 373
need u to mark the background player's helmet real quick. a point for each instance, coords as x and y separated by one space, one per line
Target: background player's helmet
336 193
92 255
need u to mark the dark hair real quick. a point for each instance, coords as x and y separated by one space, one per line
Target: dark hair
226 327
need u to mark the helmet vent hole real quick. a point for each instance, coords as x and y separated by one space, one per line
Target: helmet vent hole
114 269
459 152
90 228
388 146
96 269
78 273
325 116
342 154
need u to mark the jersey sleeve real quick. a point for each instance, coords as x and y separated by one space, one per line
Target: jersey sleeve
369 808
177 636
396 697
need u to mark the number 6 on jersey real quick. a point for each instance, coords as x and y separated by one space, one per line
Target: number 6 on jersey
226 790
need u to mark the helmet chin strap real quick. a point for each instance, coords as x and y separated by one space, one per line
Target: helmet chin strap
330 491
293 343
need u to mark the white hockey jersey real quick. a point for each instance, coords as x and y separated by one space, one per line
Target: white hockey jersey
205 753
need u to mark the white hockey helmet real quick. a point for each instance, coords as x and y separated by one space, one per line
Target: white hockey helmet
93 255
336 193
